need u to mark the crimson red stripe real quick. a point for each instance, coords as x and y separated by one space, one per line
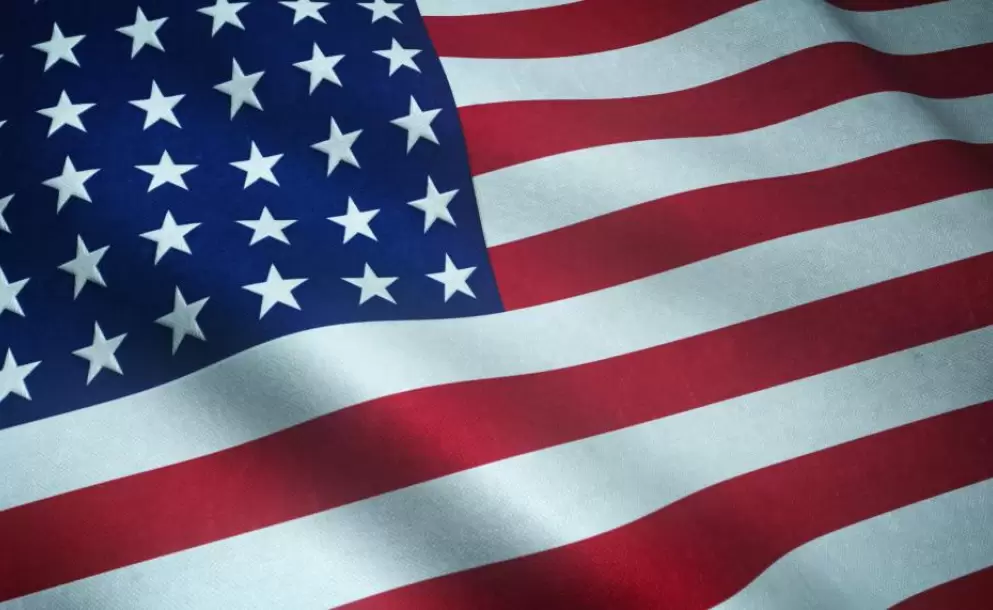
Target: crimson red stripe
583 27
735 104
703 549
408 438
653 237
971 592
880 5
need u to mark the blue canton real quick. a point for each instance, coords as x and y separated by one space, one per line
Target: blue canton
181 180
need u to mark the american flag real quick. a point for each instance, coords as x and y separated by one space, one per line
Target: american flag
496 304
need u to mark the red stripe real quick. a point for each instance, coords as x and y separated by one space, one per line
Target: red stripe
972 592
735 104
653 237
703 549
589 26
405 439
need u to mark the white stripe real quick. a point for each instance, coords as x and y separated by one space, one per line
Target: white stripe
724 46
323 370
542 500
882 561
554 192
459 8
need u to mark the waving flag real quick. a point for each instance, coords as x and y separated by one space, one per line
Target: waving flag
496 304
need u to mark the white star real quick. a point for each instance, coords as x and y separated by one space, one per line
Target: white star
59 47
258 167
166 172
100 353
454 279
267 227
418 124
372 285
275 290
12 377
224 13
435 205
355 222
381 8
338 147
241 88
159 107
302 9
9 292
183 320
170 236
84 266
321 68
143 32
4 202
71 183
65 113
399 57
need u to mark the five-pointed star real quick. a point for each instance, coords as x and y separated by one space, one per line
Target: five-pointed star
372 285
267 227
183 320
4 202
159 107
435 205
399 57
321 68
71 183
224 13
166 171
338 147
257 167
356 222
302 9
8 294
65 113
381 9
84 266
12 377
170 236
418 124
241 88
59 47
454 279
100 353
143 32
275 290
